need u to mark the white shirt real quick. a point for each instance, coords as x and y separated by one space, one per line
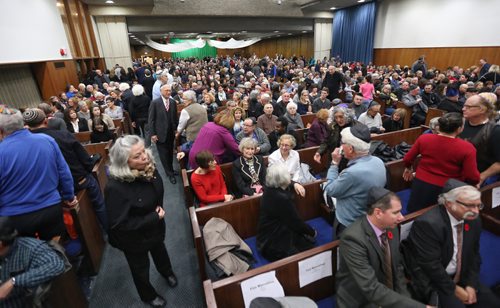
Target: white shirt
292 163
76 128
451 268
183 119
376 121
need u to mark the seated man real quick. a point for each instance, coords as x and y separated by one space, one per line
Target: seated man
372 118
26 263
251 130
442 250
267 121
419 108
370 273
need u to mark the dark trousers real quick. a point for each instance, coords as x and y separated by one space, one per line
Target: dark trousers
485 299
140 125
44 224
96 197
166 153
422 195
139 266
338 228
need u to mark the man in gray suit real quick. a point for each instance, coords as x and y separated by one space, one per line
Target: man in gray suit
163 124
370 273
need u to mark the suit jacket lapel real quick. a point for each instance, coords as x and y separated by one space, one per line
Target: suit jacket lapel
372 238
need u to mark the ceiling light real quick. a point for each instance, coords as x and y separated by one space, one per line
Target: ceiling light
289 34
333 8
276 31
304 31
243 31
361 1
110 2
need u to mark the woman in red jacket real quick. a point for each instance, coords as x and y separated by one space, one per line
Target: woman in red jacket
443 156
207 180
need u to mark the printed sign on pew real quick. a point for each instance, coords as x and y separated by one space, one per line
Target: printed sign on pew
263 285
315 268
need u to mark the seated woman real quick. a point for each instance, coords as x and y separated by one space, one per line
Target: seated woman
318 132
238 115
113 111
280 231
100 125
396 121
74 124
294 119
285 154
249 171
207 180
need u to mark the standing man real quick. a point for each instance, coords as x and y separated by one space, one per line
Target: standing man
33 176
334 81
370 271
163 124
350 187
442 249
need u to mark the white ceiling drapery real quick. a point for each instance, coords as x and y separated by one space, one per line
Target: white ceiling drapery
200 43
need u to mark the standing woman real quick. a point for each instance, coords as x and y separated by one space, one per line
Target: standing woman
444 156
134 199
139 108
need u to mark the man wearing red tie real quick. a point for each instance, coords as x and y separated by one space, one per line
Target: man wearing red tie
442 250
162 124
370 273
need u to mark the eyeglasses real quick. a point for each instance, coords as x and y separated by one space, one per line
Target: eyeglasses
479 206
471 106
285 145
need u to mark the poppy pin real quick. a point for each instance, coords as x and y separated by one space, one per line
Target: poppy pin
389 235
466 227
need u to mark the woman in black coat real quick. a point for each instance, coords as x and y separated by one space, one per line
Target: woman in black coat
280 231
249 171
74 124
134 199
138 109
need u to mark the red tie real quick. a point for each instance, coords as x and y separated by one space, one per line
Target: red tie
167 106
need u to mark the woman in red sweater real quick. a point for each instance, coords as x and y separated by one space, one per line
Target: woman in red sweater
443 156
207 180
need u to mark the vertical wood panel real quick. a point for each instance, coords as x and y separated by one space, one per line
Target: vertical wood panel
19 88
437 57
52 80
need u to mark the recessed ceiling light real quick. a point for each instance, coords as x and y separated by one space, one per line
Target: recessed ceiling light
276 31
333 8
243 31
304 31
360 1
110 2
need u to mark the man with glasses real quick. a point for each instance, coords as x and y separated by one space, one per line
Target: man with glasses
442 250
251 130
481 130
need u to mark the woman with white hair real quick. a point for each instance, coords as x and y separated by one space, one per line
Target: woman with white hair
138 109
134 202
280 231
293 118
249 170
286 155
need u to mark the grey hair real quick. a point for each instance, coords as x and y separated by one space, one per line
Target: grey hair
189 95
246 143
123 86
291 104
468 193
265 96
357 144
137 90
434 123
254 94
348 113
119 155
10 123
289 137
277 176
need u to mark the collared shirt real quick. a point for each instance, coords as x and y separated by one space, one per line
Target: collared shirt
76 128
292 162
451 268
377 231
370 121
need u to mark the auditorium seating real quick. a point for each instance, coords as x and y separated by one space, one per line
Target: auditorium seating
432 113
409 112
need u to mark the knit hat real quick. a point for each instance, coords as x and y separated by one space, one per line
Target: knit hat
336 101
361 131
375 194
452 184
33 117
450 92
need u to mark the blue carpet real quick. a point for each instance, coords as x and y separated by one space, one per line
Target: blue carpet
319 224
404 195
490 255
328 302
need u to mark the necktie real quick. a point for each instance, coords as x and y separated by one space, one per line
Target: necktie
167 105
460 235
387 264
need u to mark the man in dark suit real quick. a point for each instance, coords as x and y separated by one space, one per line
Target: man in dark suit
370 273
442 250
162 124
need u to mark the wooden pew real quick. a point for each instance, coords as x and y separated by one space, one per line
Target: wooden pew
99 171
308 118
301 136
65 291
243 215
382 104
408 135
432 113
88 229
490 215
82 137
409 112
227 292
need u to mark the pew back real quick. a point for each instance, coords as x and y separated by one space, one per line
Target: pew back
490 215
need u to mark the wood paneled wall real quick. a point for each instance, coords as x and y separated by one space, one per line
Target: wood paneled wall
302 45
53 77
437 57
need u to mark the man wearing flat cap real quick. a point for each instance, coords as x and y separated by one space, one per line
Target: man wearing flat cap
442 250
34 178
350 187
370 273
